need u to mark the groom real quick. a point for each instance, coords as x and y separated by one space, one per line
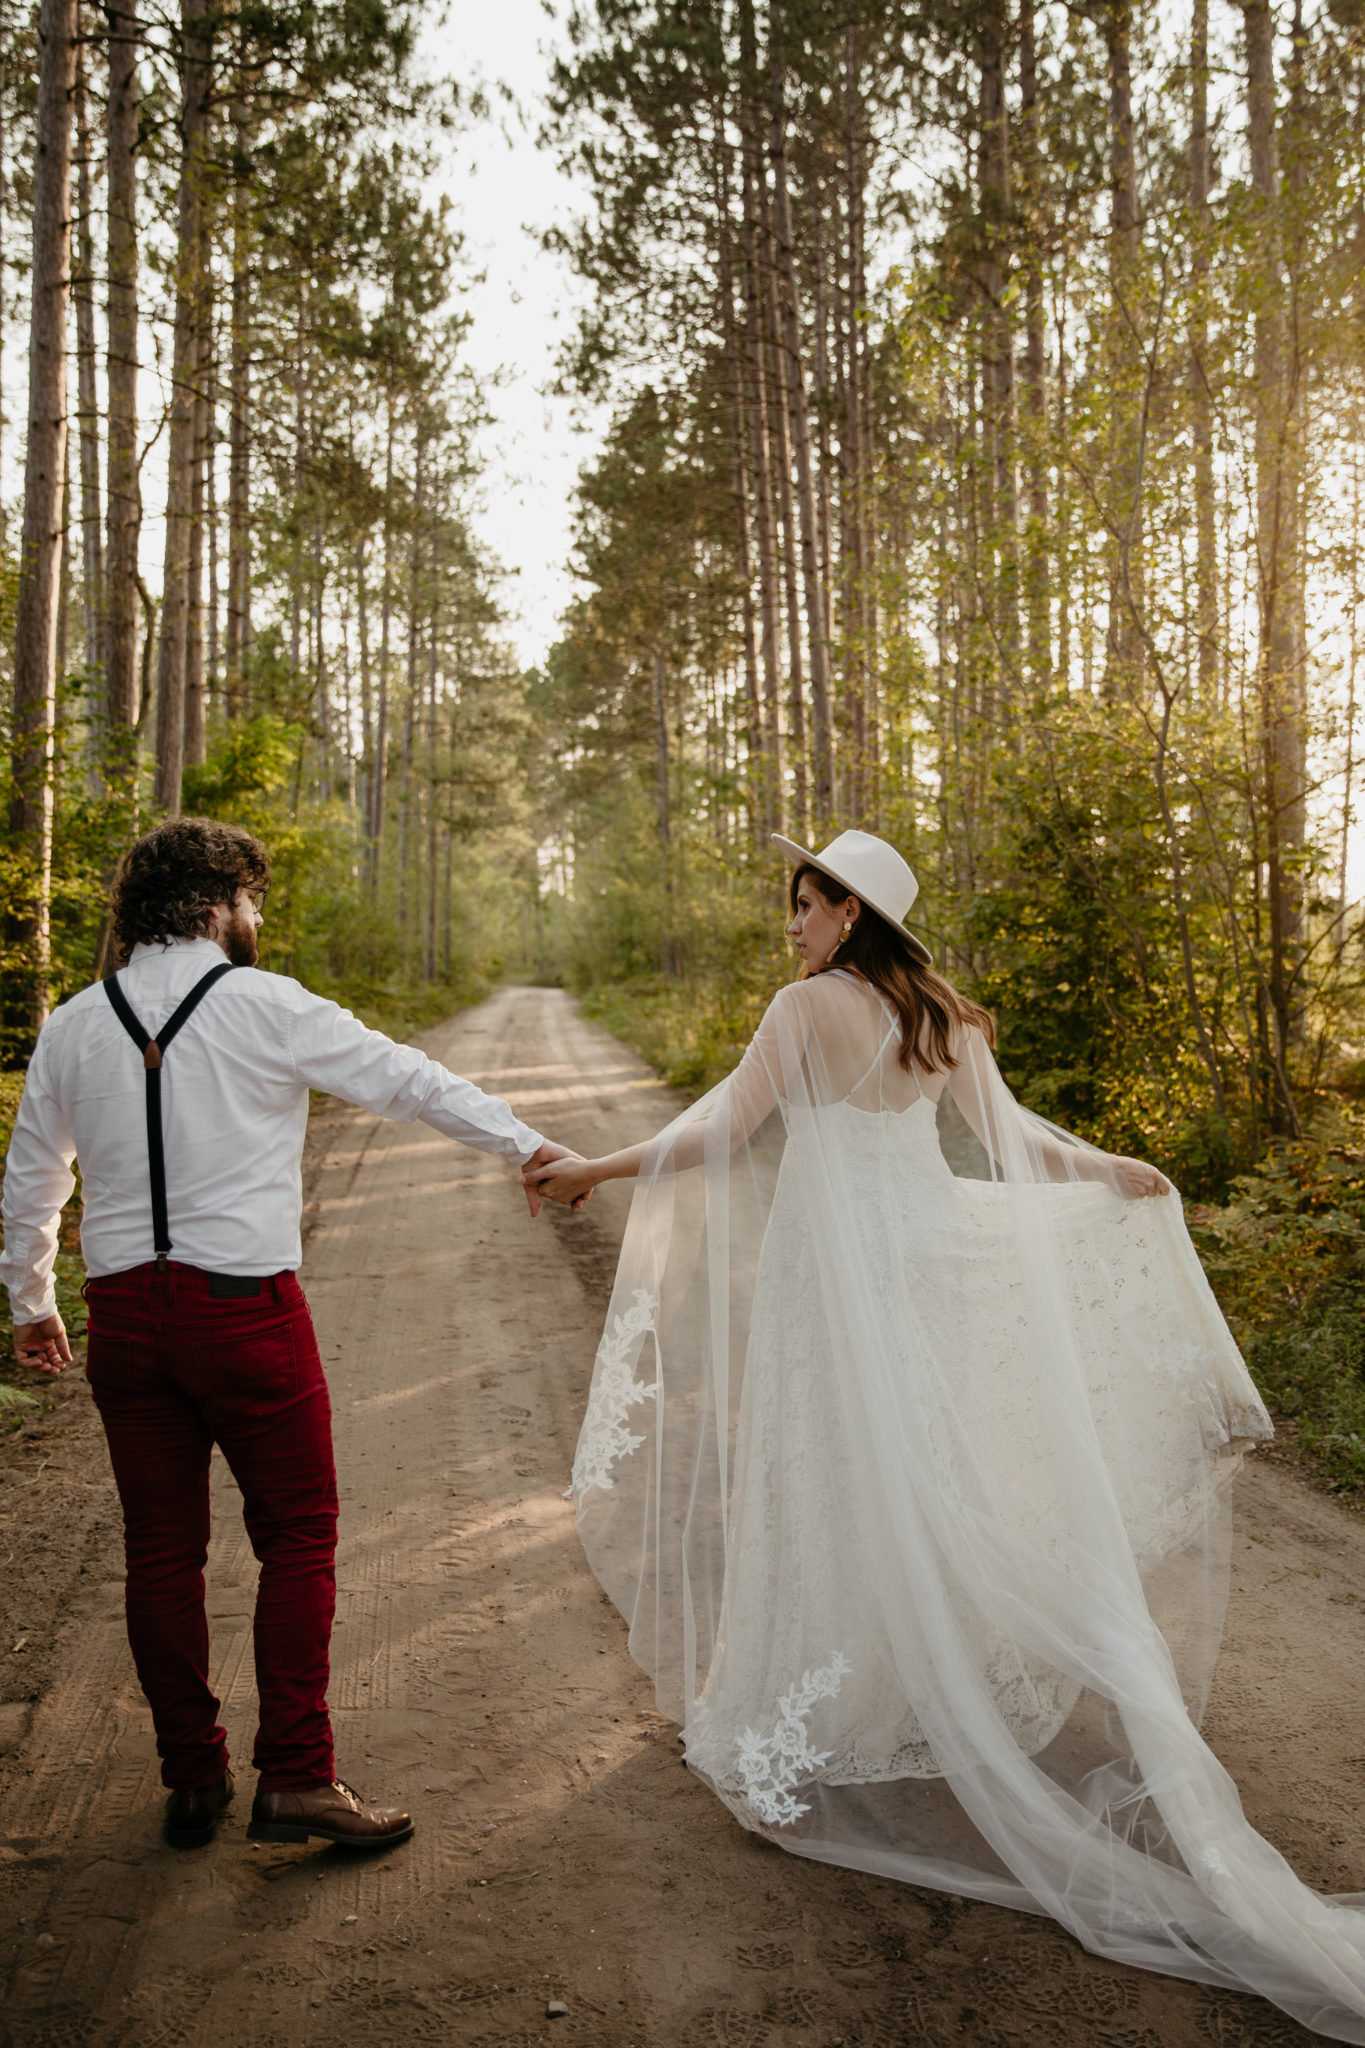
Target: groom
181 1089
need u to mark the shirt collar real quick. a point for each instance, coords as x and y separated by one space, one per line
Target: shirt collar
142 950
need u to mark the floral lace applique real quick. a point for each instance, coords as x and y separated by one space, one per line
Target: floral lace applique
604 1437
770 1766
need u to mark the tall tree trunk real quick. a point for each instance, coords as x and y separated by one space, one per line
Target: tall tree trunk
196 705
822 751
238 637
4 260
1201 395
852 462
1000 526
759 437
1278 669
1037 594
213 675
1123 646
195 38
379 786
433 809
362 611
822 384
40 552
411 708
124 507
87 403
734 392
774 360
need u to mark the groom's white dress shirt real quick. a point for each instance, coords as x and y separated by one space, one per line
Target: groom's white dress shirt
234 1093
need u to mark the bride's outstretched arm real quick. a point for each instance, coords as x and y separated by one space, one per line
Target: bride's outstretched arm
1022 1146
722 1120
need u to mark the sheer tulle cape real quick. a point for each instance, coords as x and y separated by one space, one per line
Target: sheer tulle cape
907 1460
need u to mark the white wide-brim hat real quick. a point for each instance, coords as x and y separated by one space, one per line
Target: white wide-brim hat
870 870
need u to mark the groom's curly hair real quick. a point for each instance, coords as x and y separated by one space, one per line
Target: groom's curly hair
169 881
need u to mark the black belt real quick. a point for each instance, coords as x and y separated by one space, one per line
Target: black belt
233 1287
153 1051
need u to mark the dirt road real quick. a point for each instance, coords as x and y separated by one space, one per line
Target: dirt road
562 1851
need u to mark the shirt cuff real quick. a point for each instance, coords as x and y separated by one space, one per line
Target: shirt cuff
19 1313
537 1142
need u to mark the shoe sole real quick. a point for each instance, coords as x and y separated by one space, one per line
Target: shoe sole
282 1831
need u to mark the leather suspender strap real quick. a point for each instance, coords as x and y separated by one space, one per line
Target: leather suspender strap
153 1051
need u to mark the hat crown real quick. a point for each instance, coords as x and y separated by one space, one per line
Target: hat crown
874 870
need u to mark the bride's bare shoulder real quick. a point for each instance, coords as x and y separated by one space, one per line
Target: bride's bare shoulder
822 998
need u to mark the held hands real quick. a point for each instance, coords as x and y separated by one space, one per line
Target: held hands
1137 1180
43 1345
540 1166
566 1178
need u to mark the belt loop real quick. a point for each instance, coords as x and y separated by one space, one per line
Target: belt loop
275 1286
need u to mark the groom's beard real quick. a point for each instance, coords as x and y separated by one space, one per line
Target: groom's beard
238 940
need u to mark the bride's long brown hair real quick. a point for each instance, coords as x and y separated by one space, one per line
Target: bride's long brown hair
929 1007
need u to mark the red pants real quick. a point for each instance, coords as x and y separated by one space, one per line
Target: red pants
173 1372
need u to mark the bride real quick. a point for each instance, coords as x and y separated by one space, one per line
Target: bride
908 1460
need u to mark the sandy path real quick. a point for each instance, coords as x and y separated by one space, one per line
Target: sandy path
562 1852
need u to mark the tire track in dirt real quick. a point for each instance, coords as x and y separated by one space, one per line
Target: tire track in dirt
480 1676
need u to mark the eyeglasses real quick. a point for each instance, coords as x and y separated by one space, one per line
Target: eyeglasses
258 896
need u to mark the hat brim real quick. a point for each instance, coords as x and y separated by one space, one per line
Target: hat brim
802 857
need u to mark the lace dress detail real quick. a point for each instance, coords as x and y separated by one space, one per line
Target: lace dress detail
604 1438
770 1767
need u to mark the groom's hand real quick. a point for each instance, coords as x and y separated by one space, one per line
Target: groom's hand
43 1345
546 1156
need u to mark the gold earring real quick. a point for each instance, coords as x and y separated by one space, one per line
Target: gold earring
845 932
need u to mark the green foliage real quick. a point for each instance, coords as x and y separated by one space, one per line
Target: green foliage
323 925
1286 1258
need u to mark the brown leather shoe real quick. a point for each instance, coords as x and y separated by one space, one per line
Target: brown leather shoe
333 1812
192 1817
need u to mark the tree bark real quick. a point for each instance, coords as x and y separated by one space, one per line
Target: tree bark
124 506
380 780
1201 396
238 636
195 40
852 463
433 811
1279 672
1123 646
822 750
734 392
1000 524
759 438
87 401
40 550
196 706
1037 592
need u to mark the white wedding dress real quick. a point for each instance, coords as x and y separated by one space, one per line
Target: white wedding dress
907 1459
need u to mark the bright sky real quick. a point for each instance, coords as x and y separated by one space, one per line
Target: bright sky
507 190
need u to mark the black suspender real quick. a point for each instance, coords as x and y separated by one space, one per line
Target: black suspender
153 1051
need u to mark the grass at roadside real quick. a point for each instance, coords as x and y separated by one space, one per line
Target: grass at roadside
1286 1258
691 1034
